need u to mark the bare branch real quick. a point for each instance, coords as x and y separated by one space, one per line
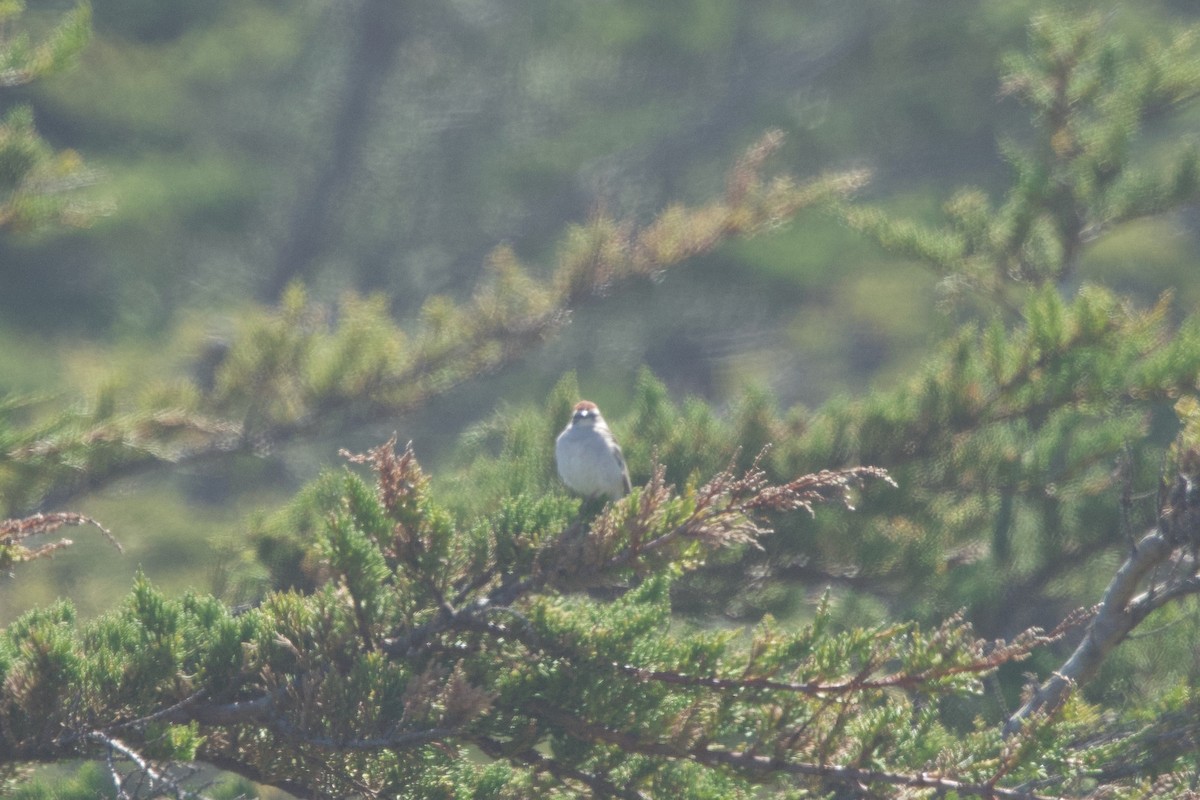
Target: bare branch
13 533
159 782
1116 616
241 712
16 530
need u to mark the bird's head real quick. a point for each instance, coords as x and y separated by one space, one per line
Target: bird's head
585 413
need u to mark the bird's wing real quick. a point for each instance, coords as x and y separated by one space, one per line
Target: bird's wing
624 469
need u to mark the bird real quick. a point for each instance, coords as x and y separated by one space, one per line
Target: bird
589 459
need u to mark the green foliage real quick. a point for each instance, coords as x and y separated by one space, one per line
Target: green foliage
490 614
1005 445
426 631
21 61
1089 91
38 185
50 451
91 781
304 366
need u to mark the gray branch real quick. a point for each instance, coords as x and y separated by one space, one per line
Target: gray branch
1118 614
160 782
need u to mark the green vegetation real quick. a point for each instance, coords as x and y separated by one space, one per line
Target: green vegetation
37 184
837 602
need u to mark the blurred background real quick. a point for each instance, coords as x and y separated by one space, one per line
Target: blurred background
382 146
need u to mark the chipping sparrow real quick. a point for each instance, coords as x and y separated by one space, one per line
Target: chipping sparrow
589 458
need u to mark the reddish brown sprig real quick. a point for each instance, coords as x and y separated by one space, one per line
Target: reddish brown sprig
14 531
402 487
654 495
819 487
399 477
727 509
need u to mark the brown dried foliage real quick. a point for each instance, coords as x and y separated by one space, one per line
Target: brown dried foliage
728 511
399 478
15 531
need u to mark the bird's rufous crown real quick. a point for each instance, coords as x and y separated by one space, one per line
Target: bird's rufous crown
585 409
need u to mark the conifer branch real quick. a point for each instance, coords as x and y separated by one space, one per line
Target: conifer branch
301 662
986 659
262 711
1077 180
258 710
762 767
302 368
725 511
400 740
600 786
990 658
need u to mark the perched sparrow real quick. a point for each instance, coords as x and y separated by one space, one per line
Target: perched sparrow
589 458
